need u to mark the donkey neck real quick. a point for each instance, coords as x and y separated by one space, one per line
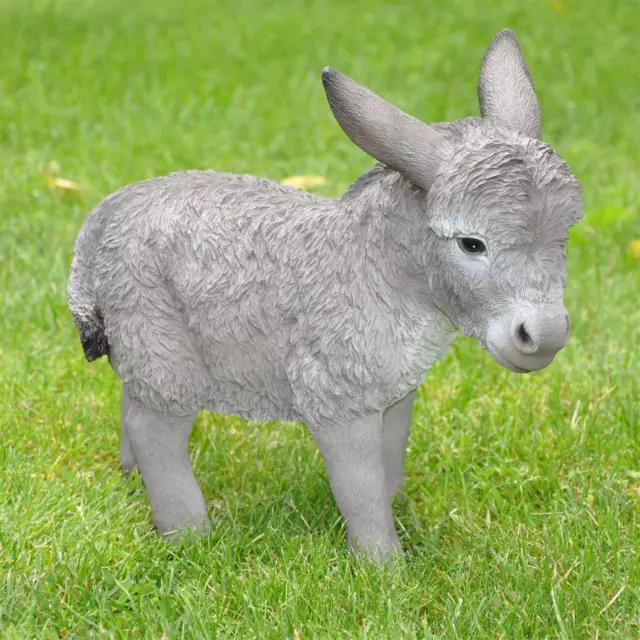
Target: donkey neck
388 221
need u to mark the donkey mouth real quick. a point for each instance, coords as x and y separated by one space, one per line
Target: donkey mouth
515 368
501 359
507 364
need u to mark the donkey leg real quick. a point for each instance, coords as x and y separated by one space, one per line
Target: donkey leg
353 454
159 444
397 423
127 459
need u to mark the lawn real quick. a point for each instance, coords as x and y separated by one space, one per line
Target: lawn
522 513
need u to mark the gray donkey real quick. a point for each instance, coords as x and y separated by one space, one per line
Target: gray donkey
235 294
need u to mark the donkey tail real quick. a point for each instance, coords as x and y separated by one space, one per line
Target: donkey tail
80 290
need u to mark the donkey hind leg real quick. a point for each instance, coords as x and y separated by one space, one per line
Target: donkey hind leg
159 444
127 459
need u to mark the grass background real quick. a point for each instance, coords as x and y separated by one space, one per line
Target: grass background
522 516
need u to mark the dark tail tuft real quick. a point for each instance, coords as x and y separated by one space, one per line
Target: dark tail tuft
93 338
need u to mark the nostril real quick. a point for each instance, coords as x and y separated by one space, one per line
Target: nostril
522 334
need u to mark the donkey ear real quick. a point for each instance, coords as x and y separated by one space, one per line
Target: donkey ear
392 137
505 88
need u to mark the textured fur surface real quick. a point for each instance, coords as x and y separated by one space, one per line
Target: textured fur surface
233 293
239 295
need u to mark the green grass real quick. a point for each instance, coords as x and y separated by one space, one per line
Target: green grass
522 515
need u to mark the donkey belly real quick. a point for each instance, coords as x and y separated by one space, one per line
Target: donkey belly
250 381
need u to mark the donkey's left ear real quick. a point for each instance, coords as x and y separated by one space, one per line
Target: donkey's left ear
505 88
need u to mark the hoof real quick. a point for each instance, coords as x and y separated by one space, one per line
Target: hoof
186 532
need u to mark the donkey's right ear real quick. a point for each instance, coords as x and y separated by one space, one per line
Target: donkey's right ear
505 88
389 135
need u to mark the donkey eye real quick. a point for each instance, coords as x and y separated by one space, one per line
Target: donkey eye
472 245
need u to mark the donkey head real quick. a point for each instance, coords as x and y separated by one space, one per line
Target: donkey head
496 205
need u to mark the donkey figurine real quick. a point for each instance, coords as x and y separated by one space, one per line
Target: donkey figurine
235 294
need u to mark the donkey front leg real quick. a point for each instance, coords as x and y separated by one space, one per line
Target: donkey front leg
397 424
353 454
159 444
